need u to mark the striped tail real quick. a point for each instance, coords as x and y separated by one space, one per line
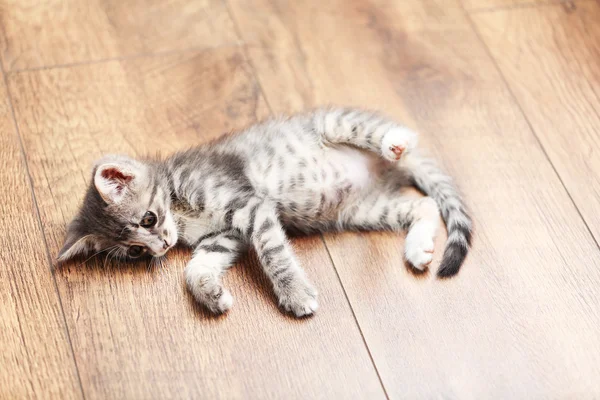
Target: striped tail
431 180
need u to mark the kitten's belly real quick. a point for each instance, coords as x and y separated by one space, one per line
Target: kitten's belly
318 190
358 167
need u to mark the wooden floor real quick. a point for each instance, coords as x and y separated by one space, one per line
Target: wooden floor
506 93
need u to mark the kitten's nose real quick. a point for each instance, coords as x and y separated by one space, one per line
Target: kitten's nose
166 244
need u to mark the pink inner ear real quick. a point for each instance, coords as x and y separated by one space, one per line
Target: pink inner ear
114 174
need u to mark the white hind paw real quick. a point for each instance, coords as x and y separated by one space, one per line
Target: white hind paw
419 258
396 142
419 248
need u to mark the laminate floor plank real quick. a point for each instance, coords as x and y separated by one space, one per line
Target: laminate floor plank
494 5
39 34
520 319
549 57
36 358
137 333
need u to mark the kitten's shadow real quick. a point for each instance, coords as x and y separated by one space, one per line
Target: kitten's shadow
246 278
102 264
417 273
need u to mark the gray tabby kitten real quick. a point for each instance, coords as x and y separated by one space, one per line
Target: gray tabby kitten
330 169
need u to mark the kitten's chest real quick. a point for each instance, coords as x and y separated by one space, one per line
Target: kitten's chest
192 226
196 219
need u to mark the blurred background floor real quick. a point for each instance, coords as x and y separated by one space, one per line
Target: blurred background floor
506 93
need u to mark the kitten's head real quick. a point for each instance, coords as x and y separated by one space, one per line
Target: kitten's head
125 212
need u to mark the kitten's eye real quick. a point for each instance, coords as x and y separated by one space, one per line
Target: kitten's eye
149 220
135 251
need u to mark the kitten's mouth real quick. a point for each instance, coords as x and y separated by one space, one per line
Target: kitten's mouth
167 245
163 252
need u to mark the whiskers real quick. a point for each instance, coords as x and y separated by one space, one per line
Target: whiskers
115 253
109 249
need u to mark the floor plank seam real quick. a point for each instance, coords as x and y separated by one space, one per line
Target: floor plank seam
355 318
41 227
194 49
256 78
522 6
529 124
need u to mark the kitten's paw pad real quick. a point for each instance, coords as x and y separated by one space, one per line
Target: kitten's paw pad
395 143
300 301
397 150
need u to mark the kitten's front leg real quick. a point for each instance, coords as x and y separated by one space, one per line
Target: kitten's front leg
293 289
212 257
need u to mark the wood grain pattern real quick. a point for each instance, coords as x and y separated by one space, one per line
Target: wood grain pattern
36 360
137 333
550 59
38 34
488 5
520 320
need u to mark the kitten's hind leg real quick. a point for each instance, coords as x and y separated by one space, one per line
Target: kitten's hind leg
366 130
212 257
385 211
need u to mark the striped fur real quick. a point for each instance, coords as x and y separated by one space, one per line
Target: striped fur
329 169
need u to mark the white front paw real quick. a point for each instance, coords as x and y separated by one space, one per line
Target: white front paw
223 303
208 291
396 142
299 298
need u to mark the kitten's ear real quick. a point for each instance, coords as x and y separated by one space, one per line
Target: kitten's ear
76 243
112 181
